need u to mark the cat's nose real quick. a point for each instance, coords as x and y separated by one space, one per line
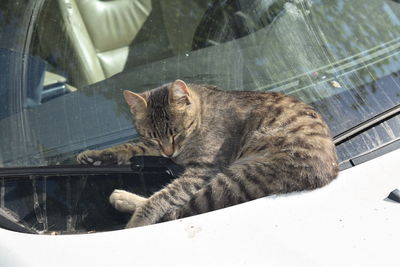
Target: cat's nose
168 151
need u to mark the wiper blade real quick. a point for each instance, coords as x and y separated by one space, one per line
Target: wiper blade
365 125
138 164
63 169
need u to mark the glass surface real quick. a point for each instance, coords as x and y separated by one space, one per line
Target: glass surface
65 64
339 56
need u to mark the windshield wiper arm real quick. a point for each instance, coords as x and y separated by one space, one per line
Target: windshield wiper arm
365 125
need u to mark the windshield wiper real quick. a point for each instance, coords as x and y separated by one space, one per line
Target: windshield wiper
138 164
365 125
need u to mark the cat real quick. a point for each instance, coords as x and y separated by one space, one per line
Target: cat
235 146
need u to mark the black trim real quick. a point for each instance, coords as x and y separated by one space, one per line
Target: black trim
374 153
378 151
366 125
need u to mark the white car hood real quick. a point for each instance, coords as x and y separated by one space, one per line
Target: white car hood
350 222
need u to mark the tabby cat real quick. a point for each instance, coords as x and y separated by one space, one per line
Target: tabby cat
235 146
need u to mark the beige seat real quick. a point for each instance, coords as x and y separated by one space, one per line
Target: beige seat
89 39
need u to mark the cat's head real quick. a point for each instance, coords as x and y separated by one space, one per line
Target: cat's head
165 115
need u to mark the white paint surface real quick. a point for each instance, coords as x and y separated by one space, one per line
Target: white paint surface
347 223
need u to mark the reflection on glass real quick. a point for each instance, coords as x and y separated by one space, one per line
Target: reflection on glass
340 56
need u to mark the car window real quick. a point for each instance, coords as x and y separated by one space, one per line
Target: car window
66 62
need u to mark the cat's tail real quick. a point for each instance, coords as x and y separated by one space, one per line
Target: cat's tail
251 178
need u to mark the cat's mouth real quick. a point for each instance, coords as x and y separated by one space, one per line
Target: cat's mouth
169 153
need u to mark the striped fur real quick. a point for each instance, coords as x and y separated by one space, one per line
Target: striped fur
236 146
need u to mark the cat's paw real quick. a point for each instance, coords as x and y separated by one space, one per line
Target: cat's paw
125 201
101 157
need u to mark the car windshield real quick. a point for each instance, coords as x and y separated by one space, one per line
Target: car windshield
65 64
64 67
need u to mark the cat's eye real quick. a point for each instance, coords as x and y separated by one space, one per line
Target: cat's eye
175 137
155 140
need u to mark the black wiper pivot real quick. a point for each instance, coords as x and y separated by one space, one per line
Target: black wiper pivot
395 195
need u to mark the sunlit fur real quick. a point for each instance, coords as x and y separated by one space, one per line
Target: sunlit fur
165 122
235 146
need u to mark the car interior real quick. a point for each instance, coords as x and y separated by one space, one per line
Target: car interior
102 38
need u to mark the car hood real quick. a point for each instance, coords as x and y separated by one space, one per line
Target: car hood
349 222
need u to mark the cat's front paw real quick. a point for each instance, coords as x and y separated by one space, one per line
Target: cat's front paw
99 157
125 201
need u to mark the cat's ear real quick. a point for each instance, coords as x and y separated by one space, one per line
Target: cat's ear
179 93
137 102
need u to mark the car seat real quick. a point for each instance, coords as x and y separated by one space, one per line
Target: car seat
89 40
